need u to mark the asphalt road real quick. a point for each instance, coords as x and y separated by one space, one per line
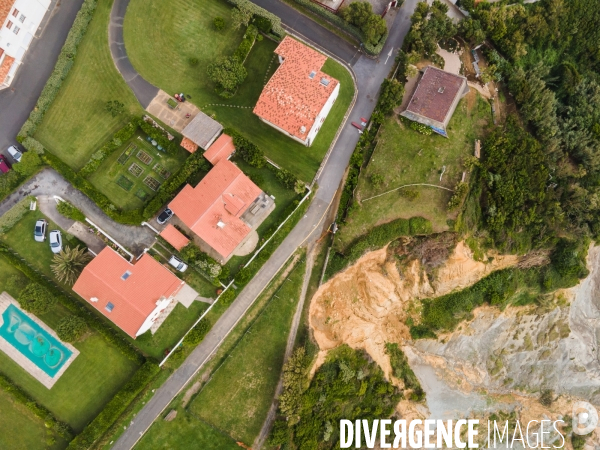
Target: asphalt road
369 75
17 101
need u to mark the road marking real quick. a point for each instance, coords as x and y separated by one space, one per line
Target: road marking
388 55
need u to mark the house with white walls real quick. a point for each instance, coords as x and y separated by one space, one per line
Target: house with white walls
20 20
299 96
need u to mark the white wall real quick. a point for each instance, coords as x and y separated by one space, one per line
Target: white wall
283 131
161 305
323 115
32 12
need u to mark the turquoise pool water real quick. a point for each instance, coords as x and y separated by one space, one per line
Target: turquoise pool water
35 343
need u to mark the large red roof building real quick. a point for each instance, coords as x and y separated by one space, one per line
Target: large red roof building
132 296
299 96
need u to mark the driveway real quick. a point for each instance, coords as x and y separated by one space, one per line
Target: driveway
17 101
48 183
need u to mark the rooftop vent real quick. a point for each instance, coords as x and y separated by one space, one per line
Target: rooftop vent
94 299
302 129
312 75
441 90
125 275
221 224
110 307
324 81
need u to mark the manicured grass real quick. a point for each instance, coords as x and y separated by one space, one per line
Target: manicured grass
185 432
239 394
171 331
110 171
154 27
404 156
77 123
21 430
8 272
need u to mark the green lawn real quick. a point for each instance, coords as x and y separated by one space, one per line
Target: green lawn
239 394
154 27
134 193
171 331
21 430
404 156
77 123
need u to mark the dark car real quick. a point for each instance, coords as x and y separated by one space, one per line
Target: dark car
4 166
164 216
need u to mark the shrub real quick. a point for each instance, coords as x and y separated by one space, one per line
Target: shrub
219 24
421 332
241 53
409 194
261 13
10 218
192 254
195 336
377 180
402 371
115 107
361 15
419 225
457 197
246 150
227 73
33 146
36 299
71 328
29 164
419 127
69 211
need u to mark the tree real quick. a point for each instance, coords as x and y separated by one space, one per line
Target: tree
219 23
115 107
36 299
391 95
374 29
240 16
71 328
68 264
361 15
29 164
227 73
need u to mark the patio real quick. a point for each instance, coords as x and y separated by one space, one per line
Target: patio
174 117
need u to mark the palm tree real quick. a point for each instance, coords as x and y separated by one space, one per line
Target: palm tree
69 263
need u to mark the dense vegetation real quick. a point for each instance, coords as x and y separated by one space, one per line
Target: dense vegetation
347 386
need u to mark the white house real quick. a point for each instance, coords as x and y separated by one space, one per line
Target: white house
20 20
298 97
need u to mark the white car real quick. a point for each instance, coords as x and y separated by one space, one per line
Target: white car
15 153
39 233
178 264
55 241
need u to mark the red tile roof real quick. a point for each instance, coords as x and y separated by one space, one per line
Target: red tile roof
435 93
291 100
174 237
222 148
189 145
212 209
5 67
5 8
133 298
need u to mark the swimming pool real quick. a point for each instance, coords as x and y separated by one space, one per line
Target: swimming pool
33 342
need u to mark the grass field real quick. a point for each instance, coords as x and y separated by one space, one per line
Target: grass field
139 193
239 394
77 123
404 156
154 27
21 430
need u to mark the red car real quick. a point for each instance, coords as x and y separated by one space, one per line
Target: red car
358 125
4 166
364 121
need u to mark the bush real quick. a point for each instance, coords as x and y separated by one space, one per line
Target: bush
227 73
193 62
10 218
402 371
361 15
70 212
458 196
241 53
192 254
195 336
113 410
246 150
33 146
71 328
36 299
419 127
262 14
219 24
421 332
29 164
409 194
419 225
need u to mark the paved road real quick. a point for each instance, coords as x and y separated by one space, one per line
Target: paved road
48 183
17 101
369 74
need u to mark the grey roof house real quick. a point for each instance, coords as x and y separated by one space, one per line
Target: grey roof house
201 132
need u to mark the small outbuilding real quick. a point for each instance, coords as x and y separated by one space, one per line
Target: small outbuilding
201 132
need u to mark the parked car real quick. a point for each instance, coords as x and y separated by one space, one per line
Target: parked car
164 216
178 264
40 230
55 241
364 121
15 153
4 166
358 126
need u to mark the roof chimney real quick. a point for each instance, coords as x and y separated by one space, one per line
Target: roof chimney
302 129
94 299
221 224
441 90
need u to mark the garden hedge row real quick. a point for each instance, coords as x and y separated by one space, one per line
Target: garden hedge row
20 396
63 65
378 237
74 306
372 50
241 53
113 410
262 13
10 218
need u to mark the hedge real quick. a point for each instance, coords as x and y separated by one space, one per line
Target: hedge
372 50
70 212
10 218
63 65
113 410
159 135
74 306
378 237
263 14
241 53
20 396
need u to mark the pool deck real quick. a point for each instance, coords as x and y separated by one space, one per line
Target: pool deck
22 360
